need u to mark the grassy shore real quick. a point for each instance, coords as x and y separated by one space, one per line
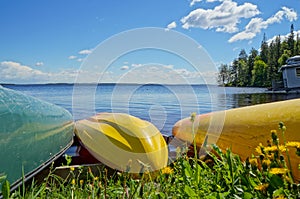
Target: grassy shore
221 174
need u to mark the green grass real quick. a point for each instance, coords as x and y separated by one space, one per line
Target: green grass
221 175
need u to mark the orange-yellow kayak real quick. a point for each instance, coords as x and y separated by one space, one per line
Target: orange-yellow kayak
123 142
242 129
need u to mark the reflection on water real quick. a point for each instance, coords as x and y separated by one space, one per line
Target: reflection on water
163 105
241 100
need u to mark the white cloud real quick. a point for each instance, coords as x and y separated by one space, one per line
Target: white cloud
169 66
124 67
15 72
193 2
171 25
72 57
242 36
85 52
290 14
79 59
39 64
164 74
257 24
224 17
136 65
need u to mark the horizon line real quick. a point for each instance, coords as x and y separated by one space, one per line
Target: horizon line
105 83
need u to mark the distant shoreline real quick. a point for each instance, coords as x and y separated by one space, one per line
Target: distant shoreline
72 84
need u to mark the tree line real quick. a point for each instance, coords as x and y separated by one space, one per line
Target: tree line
260 68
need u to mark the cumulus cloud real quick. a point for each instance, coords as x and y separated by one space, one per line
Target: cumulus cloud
171 25
124 67
85 52
289 13
169 66
16 72
164 74
39 64
193 2
224 17
257 24
72 57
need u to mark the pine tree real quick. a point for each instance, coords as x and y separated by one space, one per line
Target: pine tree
291 41
264 49
224 74
250 63
277 54
272 62
297 45
234 72
243 55
260 69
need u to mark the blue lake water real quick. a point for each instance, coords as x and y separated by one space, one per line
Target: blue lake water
163 105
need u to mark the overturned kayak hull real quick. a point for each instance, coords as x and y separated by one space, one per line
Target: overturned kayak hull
123 142
242 129
33 133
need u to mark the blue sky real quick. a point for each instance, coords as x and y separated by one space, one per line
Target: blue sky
48 41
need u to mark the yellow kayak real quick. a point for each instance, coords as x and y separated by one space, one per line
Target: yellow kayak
123 142
242 129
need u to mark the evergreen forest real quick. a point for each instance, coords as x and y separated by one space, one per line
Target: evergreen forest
260 67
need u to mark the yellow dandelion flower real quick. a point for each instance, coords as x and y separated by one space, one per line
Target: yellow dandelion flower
271 148
266 162
261 187
81 182
253 162
259 148
278 171
293 144
167 170
96 178
73 182
72 168
275 148
282 148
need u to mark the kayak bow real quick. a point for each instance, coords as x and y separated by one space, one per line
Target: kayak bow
242 129
32 134
123 142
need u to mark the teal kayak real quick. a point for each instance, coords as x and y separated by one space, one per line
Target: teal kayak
33 133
